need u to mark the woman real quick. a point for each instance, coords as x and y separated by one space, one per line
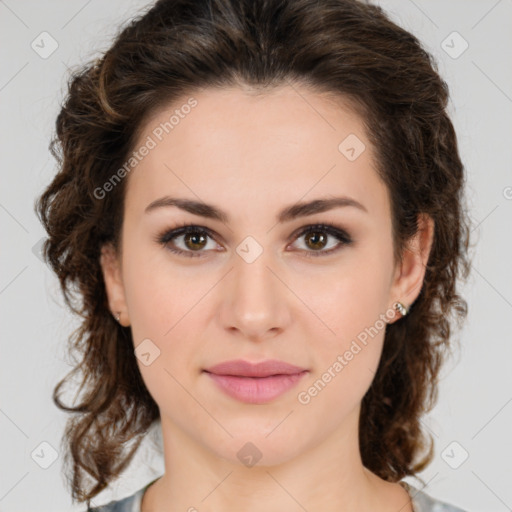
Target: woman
259 208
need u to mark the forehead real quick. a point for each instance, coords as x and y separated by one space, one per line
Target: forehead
278 145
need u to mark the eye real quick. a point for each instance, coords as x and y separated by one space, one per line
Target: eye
195 238
317 236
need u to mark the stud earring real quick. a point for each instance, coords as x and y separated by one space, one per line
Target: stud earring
401 308
117 316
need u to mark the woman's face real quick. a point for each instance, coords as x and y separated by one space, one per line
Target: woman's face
253 287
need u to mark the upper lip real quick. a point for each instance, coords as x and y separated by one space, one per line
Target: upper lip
243 368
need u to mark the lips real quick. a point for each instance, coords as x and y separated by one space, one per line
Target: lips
241 368
255 383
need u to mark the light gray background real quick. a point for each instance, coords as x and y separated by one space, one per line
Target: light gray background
474 409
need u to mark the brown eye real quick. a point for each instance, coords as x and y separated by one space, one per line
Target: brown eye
188 240
194 241
316 240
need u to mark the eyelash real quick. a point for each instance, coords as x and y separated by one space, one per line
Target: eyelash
331 229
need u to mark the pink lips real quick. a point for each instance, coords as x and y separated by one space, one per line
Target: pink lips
255 383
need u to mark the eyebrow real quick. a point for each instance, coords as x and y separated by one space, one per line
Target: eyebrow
287 214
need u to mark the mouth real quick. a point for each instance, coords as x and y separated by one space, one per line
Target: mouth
255 383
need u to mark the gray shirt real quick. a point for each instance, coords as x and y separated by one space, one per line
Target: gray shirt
421 502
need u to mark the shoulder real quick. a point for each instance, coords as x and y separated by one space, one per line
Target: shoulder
129 504
423 502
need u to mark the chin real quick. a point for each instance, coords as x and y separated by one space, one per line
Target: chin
258 449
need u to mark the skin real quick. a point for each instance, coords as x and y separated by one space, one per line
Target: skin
242 152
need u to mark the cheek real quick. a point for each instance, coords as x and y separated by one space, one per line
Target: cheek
352 303
345 368
158 293
165 343
350 336
162 307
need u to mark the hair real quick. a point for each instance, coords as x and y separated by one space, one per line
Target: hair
346 48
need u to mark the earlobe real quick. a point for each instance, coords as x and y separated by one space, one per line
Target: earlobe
411 274
114 287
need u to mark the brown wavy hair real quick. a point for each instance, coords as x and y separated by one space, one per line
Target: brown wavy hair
346 48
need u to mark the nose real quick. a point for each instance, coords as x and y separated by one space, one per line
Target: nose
255 304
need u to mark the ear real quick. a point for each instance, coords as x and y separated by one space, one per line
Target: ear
408 279
111 269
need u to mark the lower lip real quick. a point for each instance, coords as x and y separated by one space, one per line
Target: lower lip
256 390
